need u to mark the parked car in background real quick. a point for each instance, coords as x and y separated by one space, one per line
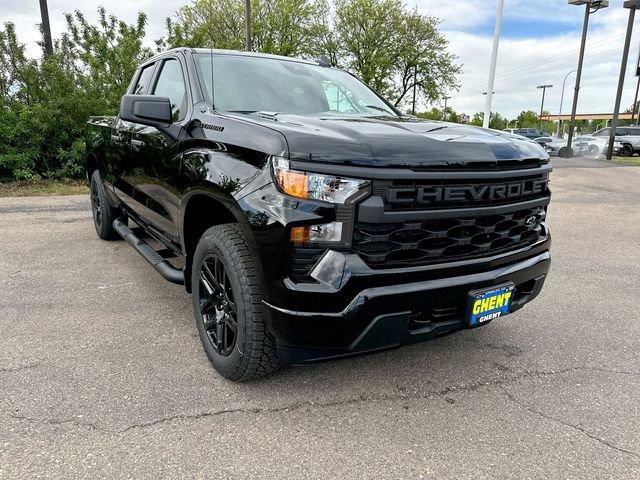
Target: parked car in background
582 146
542 141
530 133
629 137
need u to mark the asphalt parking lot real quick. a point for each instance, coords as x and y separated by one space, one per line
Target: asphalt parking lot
102 372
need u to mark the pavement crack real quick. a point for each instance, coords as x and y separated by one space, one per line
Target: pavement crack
399 395
578 428
55 422
19 368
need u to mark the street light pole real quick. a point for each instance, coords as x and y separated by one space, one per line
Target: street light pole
561 102
631 5
588 4
635 102
544 91
444 112
247 26
492 68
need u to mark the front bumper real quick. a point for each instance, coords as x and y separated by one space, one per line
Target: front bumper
382 316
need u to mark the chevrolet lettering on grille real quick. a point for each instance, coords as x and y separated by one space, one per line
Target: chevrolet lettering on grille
466 193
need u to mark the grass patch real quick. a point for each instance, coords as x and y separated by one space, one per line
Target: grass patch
43 188
627 160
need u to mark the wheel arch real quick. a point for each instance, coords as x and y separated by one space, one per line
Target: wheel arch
201 209
91 165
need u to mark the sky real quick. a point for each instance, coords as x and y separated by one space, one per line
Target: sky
539 45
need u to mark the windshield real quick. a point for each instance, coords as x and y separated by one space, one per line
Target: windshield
247 84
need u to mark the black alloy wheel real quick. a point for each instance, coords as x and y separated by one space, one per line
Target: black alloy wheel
227 305
217 305
103 213
95 205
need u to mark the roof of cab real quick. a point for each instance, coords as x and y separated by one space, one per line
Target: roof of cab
238 53
243 53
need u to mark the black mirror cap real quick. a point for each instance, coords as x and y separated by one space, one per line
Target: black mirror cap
146 110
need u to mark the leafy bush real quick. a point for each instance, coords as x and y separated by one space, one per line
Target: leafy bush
45 103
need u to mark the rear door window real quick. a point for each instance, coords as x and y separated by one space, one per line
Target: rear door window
142 85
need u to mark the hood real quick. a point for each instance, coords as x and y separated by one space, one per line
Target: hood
395 141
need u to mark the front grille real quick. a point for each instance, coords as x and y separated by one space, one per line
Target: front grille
449 239
403 195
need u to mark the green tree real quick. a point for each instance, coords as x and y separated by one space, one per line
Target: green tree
280 27
109 53
496 121
392 49
530 119
437 114
433 114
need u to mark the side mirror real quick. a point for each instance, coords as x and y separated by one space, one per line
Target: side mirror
146 110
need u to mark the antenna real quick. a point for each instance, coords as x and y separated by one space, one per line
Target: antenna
213 102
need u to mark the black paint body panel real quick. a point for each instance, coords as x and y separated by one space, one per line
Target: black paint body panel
155 174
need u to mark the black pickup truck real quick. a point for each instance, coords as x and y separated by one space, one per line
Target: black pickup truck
308 218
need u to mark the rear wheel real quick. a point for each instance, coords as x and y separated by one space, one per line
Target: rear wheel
228 309
103 213
594 150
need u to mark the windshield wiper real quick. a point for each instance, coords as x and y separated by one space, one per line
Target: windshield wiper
380 109
241 111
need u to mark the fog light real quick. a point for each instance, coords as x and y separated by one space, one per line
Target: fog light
326 232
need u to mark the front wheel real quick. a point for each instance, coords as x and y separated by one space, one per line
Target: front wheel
228 309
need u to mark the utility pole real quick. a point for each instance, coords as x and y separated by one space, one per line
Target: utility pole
631 5
560 132
46 28
588 4
544 91
247 26
492 68
415 86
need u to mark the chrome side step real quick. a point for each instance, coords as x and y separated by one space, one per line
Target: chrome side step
164 268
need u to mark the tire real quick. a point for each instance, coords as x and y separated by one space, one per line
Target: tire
594 151
219 301
627 151
103 213
565 152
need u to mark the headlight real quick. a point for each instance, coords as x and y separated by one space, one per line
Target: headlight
314 186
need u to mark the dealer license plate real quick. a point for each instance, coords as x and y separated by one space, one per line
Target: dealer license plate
487 305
